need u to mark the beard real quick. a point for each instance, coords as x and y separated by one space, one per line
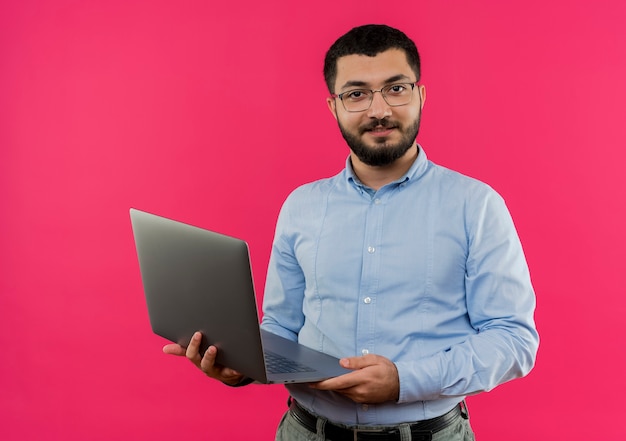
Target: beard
383 153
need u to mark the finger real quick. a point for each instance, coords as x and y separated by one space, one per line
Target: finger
193 349
360 362
207 364
337 383
208 360
174 349
209 367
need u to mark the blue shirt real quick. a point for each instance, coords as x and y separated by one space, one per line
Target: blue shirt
428 271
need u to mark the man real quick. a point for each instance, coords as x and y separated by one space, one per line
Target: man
411 273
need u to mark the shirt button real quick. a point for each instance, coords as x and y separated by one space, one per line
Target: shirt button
365 407
367 300
371 250
364 352
377 201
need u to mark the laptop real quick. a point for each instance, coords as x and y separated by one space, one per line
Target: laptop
200 280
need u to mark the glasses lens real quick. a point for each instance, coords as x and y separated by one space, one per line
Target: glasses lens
357 100
398 94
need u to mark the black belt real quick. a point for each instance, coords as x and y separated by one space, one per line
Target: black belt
420 431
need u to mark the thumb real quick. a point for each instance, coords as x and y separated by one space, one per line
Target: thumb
357 362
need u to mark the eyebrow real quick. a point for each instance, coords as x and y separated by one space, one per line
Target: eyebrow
357 83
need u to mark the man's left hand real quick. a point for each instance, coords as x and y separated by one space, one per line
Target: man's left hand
374 380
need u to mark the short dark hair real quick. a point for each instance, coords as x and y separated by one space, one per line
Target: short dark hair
369 40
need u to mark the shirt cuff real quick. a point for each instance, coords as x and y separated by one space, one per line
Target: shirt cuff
419 380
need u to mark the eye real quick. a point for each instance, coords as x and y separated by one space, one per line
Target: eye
356 95
396 89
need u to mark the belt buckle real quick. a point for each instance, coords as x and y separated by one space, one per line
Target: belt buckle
356 431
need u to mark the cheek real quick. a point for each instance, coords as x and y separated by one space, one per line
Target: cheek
349 121
410 115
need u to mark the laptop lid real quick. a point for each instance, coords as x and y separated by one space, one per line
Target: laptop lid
200 280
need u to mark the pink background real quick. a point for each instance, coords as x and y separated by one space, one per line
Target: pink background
212 112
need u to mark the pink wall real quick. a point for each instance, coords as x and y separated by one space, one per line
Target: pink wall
106 105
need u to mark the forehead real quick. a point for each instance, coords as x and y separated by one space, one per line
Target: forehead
372 71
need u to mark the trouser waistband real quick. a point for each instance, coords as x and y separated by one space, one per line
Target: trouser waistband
420 430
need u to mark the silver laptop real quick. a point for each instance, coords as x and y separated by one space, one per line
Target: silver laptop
199 280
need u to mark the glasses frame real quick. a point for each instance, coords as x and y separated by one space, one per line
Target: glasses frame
340 95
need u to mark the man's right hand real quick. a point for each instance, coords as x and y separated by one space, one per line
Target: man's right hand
205 363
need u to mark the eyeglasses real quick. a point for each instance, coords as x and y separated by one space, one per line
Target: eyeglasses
359 100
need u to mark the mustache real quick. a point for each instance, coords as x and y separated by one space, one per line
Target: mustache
384 123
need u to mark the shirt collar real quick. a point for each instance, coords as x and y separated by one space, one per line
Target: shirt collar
413 174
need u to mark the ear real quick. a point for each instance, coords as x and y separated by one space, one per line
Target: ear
332 106
422 91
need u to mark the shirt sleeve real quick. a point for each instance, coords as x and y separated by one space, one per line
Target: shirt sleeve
500 304
285 283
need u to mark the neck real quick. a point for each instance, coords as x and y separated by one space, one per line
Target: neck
377 177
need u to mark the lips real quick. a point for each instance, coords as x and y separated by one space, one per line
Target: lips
380 133
379 128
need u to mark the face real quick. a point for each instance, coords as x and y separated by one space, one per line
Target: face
380 135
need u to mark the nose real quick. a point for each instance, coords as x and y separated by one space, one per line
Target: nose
379 107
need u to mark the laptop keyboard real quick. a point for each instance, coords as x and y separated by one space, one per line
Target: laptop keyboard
277 364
